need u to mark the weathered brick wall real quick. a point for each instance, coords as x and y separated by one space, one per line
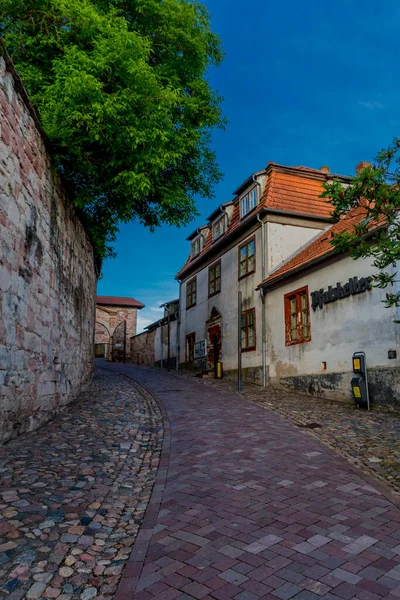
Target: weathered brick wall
47 275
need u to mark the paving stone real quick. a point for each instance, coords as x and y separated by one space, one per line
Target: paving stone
285 511
69 473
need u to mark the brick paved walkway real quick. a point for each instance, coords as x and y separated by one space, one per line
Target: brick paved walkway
73 493
247 506
369 440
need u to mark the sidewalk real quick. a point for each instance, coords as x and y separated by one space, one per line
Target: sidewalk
246 505
369 440
73 494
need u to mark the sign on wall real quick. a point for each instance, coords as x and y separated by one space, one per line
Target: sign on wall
200 349
339 291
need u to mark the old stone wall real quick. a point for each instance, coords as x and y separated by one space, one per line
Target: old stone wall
142 348
47 275
108 317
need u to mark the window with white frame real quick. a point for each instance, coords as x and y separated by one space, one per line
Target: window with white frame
248 202
195 247
219 228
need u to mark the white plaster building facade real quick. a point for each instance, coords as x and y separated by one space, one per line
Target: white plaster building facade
321 307
274 212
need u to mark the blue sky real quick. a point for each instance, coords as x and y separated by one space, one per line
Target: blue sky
304 83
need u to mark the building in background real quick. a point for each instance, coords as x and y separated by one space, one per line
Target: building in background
116 320
273 213
158 344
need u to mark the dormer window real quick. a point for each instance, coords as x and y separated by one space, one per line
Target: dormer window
248 202
195 247
219 228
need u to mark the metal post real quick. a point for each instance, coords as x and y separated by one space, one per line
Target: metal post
169 341
162 349
124 341
240 341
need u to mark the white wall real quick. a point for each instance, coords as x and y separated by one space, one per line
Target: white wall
359 322
280 240
157 341
284 240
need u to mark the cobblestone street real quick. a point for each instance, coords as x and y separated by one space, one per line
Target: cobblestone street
247 505
73 493
369 440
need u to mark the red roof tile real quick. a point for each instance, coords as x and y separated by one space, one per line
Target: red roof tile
319 247
118 301
287 189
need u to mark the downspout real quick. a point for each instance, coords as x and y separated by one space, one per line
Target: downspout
263 322
178 328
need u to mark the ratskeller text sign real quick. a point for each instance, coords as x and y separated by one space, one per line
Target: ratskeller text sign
354 286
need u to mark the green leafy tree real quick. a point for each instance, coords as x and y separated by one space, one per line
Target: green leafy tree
375 192
122 92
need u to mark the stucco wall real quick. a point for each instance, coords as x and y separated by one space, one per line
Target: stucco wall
359 322
47 276
161 340
281 239
284 239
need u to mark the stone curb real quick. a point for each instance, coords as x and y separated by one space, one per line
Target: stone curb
133 568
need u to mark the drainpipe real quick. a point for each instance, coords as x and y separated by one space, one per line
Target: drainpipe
263 323
178 328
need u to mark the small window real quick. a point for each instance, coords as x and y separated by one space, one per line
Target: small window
195 247
297 317
214 279
247 262
191 292
249 329
248 202
219 228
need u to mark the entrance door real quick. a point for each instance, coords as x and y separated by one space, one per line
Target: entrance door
190 341
216 352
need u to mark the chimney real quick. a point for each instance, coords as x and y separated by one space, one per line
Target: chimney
325 169
364 164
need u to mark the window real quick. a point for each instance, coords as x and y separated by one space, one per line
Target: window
191 289
248 202
219 228
214 279
195 247
297 317
249 329
247 262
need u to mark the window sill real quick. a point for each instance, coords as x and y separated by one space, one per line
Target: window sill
246 275
191 306
298 342
214 294
252 349
248 213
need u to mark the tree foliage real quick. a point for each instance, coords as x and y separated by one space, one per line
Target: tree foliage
121 89
376 189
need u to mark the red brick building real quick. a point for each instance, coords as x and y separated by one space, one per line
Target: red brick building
112 313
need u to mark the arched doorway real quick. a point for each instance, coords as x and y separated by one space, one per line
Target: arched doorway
102 340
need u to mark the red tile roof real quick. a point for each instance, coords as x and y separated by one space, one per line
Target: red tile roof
320 247
288 189
118 301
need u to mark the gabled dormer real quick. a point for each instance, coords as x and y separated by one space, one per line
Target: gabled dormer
219 220
197 240
249 194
